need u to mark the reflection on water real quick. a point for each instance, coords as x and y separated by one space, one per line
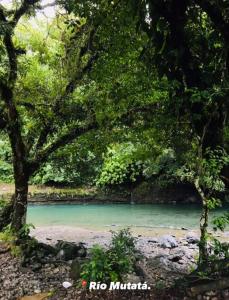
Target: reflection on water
103 215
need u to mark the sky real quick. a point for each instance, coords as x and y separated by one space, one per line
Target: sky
48 12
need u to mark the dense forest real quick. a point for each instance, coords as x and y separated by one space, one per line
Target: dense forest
113 94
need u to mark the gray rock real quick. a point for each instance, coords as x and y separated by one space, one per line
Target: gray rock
75 269
168 241
158 261
69 251
36 267
132 278
192 238
177 256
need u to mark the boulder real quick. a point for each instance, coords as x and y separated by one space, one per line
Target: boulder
168 241
70 251
158 261
192 238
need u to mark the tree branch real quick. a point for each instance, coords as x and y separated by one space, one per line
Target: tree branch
48 5
71 86
61 141
23 9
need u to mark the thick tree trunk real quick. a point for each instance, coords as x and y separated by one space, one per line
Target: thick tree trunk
20 205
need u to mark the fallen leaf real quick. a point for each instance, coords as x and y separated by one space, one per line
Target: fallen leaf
42 296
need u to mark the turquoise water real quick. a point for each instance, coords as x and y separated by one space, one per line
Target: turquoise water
108 215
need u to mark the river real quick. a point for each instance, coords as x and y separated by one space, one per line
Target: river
103 216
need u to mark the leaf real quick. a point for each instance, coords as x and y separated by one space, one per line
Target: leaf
41 296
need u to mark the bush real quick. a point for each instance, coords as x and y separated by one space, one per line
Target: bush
122 164
112 264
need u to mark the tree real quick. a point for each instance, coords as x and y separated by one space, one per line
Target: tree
41 108
188 43
205 174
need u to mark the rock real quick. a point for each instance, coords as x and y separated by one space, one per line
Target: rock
36 267
66 284
158 261
132 278
75 270
168 241
154 241
140 270
192 238
177 256
56 270
68 250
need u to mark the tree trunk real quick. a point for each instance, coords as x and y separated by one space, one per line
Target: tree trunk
20 205
203 251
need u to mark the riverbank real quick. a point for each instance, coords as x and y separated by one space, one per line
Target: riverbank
145 193
167 257
51 234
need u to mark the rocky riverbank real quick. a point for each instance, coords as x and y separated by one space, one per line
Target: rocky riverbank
166 259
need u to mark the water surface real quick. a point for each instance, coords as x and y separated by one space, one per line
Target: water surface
100 216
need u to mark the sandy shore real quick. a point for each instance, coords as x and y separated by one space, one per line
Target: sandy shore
77 234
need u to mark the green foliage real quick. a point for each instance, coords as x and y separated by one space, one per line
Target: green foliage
123 163
6 170
163 168
207 171
25 231
75 164
9 237
218 250
221 222
114 263
20 243
2 203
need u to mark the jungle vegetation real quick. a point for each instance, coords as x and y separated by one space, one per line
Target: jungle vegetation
113 93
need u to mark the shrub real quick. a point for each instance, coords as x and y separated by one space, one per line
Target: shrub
112 264
123 164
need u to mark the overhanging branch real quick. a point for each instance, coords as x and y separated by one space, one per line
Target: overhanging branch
23 9
61 141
